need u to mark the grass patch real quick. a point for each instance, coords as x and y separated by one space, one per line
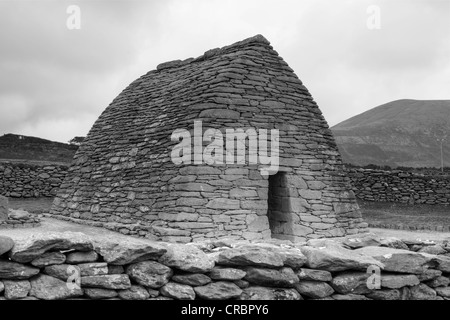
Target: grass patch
418 216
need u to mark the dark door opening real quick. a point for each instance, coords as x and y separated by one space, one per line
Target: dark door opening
279 209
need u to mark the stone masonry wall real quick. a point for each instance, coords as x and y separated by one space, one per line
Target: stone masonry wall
123 173
400 186
57 266
24 180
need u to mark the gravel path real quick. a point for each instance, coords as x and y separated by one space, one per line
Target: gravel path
54 225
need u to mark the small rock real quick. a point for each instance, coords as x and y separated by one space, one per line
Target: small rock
187 258
242 283
349 297
93 269
6 244
16 271
112 269
220 290
178 291
229 274
422 292
351 282
192 279
28 249
436 249
314 275
48 259
443 292
438 282
398 281
16 289
252 256
384 294
96 293
4 208
81 257
62 271
284 278
314 289
111 281
392 242
398 260
134 293
149 273
18 214
128 251
48 288
263 293
429 274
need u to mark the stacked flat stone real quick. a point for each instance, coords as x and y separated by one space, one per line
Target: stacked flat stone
57 266
26 180
123 173
400 186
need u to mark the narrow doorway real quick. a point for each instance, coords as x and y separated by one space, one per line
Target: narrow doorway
279 209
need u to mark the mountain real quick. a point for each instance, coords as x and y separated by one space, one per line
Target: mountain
18 147
399 133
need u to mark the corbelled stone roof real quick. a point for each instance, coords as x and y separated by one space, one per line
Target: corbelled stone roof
122 175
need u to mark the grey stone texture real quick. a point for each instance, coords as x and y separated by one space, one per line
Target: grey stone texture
123 174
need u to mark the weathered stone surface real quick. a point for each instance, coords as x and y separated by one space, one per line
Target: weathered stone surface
48 259
292 257
220 290
49 288
62 271
134 293
6 244
250 256
314 275
442 262
263 293
4 208
27 249
392 242
81 257
438 282
351 282
149 273
178 291
96 293
129 251
398 260
283 278
314 289
360 242
111 281
229 274
384 294
192 279
16 289
436 249
398 281
422 292
113 269
336 258
429 274
93 269
443 291
349 296
16 271
187 258
18 214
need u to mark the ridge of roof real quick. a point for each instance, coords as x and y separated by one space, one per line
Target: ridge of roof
212 53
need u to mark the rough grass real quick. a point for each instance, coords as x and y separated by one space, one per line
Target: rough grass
417 216
33 205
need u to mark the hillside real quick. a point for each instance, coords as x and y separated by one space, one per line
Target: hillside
17 147
398 133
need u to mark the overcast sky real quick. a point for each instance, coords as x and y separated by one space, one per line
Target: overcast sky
55 82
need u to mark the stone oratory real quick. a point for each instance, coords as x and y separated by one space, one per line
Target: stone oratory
124 173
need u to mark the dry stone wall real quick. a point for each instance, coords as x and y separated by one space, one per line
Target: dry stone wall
123 173
55 266
400 186
26 180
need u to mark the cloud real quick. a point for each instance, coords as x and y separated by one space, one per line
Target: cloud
55 82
